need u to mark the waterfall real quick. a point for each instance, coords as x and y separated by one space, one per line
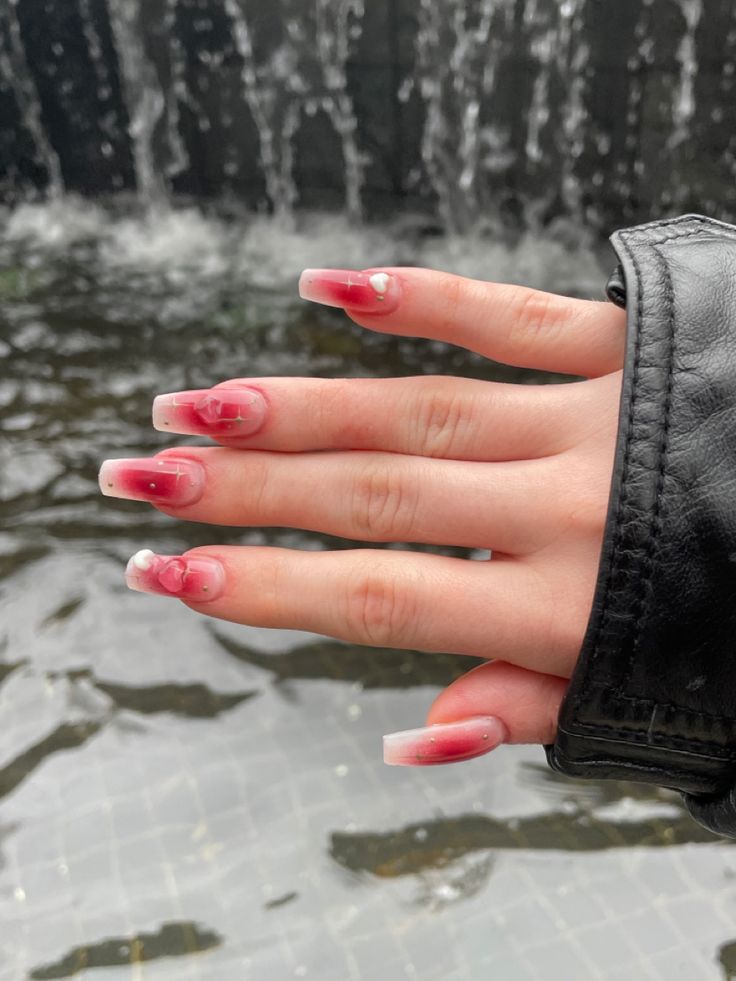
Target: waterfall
476 113
143 97
454 85
14 69
306 72
684 100
544 49
630 165
561 54
334 34
261 95
573 59
102 77
178 94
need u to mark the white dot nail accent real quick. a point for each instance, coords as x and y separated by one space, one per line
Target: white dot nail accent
379 282
143 559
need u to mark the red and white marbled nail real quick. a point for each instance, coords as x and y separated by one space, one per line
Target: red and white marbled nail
211 412
363 292
449 742
170 481
198 579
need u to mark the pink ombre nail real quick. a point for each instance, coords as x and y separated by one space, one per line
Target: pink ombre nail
364 292
210 412
170 481
447 743
196 578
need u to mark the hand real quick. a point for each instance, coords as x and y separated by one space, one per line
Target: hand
522 470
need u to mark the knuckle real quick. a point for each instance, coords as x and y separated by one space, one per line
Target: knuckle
257 487
380 609
441 424
384 506
535 316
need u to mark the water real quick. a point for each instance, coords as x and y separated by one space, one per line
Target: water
184 799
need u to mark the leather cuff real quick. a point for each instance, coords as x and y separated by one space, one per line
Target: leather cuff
653 695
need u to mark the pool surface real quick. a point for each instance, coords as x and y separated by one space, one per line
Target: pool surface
188 799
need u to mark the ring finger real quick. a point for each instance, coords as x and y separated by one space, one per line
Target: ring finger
435 415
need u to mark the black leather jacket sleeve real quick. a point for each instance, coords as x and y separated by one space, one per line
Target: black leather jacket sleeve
653 695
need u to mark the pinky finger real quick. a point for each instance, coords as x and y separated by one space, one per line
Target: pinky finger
494 703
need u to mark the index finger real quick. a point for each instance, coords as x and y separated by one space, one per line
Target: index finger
512 324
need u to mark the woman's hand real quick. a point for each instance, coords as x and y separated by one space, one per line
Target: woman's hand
521 470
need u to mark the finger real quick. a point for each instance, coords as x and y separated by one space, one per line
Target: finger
492 704
373 497
379 598
527 702
513 324
434 415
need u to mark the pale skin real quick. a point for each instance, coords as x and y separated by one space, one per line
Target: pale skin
522 470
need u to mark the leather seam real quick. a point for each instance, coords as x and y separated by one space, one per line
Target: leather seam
683 741
643 240
644 594
682 709
614 565
664 222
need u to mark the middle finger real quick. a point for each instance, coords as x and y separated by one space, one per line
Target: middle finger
374 497
430 415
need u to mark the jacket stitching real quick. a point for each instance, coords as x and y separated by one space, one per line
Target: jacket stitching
644 594
691 713
642 239
683 741
615 563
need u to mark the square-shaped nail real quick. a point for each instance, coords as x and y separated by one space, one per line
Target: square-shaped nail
211 412
197 578
176 482
449 742
362 292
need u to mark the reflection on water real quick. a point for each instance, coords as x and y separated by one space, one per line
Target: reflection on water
376 668
193 701
727 957
434 844
65 737
172 940
142 782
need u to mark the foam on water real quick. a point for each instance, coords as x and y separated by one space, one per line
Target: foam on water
187 245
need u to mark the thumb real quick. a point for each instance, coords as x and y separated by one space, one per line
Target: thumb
492 704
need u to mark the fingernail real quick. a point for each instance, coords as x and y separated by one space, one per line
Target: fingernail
199 579
166 481
364 292
210 412
447 743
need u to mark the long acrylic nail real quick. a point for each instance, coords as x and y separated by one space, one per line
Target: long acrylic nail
210 412
199 579
446 743
175 482
364 292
